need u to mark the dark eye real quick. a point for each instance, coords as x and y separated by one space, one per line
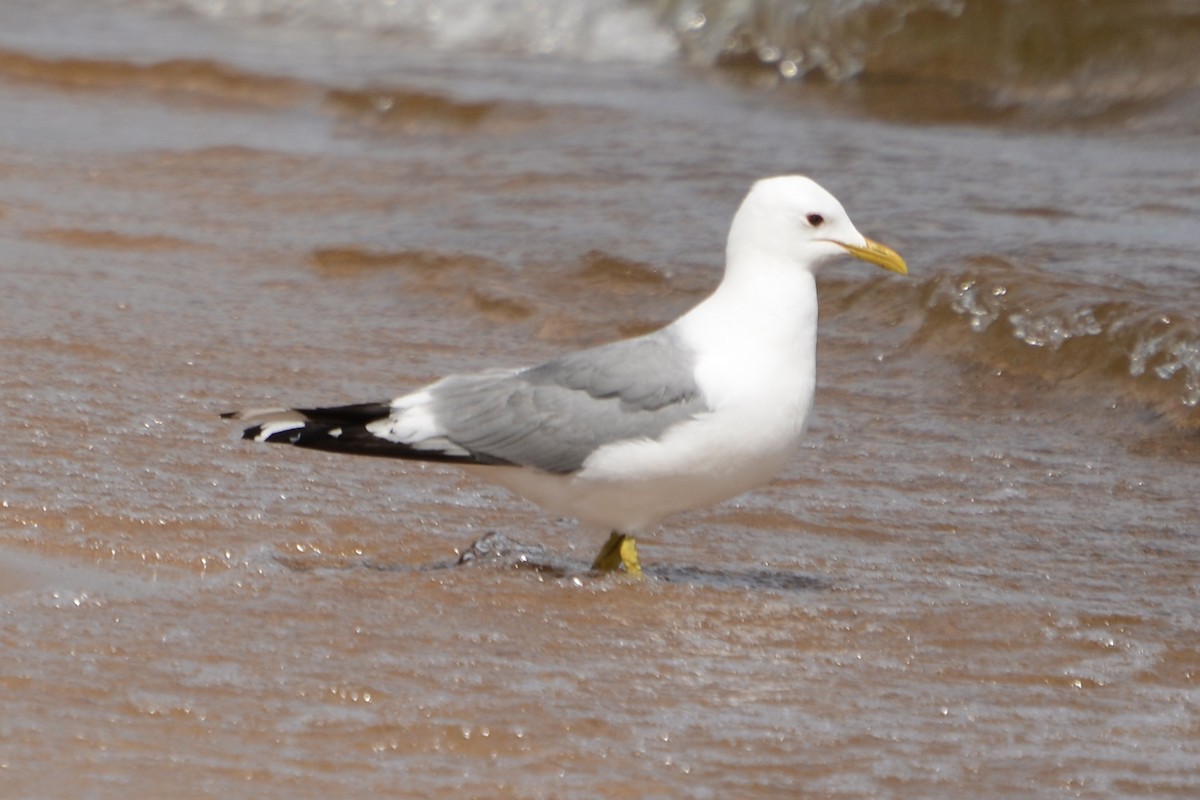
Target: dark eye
816 220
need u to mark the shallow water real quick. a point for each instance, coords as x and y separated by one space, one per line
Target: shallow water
978 578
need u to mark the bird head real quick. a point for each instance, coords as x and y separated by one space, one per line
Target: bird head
793 218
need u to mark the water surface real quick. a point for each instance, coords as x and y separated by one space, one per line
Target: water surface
977 579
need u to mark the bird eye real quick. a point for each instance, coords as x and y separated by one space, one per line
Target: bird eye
815 220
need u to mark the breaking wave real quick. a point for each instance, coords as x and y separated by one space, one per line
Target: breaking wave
1049 60
1058 58
586 30
1018 321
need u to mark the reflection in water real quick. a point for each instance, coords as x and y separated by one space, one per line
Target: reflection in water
497 550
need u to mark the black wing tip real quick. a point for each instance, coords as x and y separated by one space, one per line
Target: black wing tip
251 433
286 436
343 429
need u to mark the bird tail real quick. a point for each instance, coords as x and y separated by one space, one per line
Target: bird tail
342 429
337 428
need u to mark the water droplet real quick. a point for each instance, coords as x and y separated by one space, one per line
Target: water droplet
768 54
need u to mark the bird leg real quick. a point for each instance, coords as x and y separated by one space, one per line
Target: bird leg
619 549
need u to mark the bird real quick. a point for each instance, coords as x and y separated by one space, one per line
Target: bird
622 435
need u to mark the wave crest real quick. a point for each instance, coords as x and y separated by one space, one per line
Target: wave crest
1045 61
1033 327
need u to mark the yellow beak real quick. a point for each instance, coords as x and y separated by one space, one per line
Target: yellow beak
878 254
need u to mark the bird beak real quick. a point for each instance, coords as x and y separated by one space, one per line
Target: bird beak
878 254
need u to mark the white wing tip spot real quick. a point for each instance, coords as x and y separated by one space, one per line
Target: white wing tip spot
273 428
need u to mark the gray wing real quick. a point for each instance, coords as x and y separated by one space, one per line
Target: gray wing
555 415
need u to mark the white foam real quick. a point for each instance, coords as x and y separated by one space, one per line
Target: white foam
584 30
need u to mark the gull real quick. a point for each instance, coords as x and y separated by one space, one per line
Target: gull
623 435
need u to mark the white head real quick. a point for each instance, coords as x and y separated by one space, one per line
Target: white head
792 219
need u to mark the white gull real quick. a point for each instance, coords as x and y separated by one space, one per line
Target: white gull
622 435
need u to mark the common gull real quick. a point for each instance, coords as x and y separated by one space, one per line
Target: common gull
622 435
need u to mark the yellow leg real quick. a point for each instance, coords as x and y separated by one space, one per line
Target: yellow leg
617 551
